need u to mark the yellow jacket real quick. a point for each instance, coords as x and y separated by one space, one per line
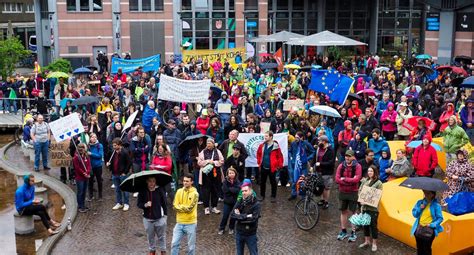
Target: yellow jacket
185 204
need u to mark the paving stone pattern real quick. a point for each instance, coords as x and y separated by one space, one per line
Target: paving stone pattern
104 231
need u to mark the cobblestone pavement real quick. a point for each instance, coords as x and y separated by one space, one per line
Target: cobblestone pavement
104 231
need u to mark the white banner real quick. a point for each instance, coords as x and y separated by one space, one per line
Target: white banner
66 127
177 90
253 140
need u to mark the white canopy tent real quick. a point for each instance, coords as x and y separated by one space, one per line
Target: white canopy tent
325 38
282 36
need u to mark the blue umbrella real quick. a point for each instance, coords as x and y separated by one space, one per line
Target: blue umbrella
423 56
417 143
82 70
364 76
468 82
316 67
64 101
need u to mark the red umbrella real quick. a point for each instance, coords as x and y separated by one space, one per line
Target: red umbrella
265 55
412 123
454 69
369 92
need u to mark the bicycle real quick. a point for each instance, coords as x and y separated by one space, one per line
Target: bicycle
306 212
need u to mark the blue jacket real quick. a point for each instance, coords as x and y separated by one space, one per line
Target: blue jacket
97 154
219 137
384 164
307 149
381 106
377 147
436 214
26 133
147 118
359 148
141 149
24 195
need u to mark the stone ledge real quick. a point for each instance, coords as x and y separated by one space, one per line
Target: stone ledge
62 189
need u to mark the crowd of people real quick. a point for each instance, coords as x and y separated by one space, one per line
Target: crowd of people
351 152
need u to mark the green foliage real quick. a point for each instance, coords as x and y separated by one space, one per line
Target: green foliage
11 52
59 65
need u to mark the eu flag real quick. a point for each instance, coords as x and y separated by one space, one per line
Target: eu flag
342 89
323 81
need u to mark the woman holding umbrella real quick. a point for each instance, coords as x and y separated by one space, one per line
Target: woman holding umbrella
428 219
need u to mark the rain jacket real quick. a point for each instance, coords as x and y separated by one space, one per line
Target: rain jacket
377 146
147 118
276 156
454 138
443 120
425 160
384 163
140 149
351 112
403 131
24 195
436 214
97 154
352 175
388 119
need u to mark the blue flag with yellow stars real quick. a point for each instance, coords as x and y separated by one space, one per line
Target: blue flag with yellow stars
330 82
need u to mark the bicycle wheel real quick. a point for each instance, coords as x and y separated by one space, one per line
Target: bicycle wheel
306 213
18 135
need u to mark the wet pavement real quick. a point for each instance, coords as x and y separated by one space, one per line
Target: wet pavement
104 231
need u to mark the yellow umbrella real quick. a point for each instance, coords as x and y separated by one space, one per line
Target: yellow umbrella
292 66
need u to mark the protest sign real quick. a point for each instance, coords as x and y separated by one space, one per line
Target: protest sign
177 90
251 142
213 55
151 63
66 127
224 108
264 127
59 154
370 196
288 104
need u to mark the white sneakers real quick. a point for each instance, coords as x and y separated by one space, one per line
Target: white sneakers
207 211
113 186
117 206
214 210
135 194
120 206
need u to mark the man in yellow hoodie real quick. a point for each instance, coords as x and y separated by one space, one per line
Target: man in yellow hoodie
185 204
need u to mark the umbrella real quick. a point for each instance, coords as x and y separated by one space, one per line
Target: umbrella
424 183
191 141
412 123
82 70
418 89
64 101
465 59
307 68
425 69
457 81
58 75
414 144
356 97
292 66
268 65
369 92
137 182
325 110
92 68
325 38
453 69
85 100
423 56
468 82
363 76
316 66
281 36
360 219
265 55
382 69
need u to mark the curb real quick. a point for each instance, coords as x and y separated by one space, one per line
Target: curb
62 189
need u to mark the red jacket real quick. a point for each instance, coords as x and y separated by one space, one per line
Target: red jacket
122 77
203 124
276 156
81 173
165 163
425 160
350 184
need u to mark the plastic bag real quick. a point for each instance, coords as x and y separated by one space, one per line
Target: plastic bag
461 203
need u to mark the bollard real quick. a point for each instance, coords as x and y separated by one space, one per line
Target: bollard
23 224
41 193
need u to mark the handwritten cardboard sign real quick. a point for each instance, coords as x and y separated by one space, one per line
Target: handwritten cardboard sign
288 104
370 196
59 154
224 108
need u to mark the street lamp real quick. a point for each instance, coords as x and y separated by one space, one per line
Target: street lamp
117 35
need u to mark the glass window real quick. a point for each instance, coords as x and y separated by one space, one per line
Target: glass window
331 5
202 4
404 4
231 4
330 24
218 43
298 4
218 4
218 24
218 15
29 8
344 23
159 5
281 24
186 5
133 5
359 23
218 34
251 5
297 24
202 33
344 14
202 15
282 4
84 5
146 5
202 24
71 5
97 5
282 15
187 34
202 43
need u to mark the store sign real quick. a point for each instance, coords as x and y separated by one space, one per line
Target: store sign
432 22
251 24
464 22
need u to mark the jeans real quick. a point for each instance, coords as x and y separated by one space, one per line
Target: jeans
178 232
158 228
265 172
121 197
81 193
41 148
295 175
251 241
96 173
225 217
12 103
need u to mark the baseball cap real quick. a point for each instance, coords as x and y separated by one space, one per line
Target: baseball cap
350 153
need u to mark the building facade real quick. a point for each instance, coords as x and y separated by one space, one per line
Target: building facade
78 29
18 16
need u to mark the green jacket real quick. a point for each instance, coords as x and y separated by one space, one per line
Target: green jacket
377 185
454 138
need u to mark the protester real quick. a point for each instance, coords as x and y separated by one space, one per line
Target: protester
27 204
82 168
185 205
428 219
270 160
454 137
425 159
300 153
152 201
348 175
96 154
324 164
246 212
460 174
400 167
41 135
119 164
231 189
371 231
210 176
377 144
